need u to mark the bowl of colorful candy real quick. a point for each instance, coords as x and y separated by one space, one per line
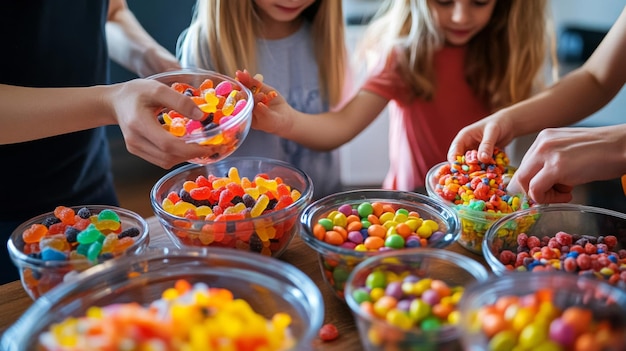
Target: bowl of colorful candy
543 311
246 203
408 298
172 299
579 239
477 192
51 248
347 227
227 105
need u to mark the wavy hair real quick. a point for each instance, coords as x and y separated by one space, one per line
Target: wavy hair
224 34
504 61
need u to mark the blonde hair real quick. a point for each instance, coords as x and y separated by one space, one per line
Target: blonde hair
504 61
227 30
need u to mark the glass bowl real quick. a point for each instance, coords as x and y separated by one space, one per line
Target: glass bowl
269 287
226 124
338 260
42 269
474 223
245 228
408 298
543 311
565 237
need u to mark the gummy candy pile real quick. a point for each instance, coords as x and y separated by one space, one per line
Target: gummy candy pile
220 104
187 317
224 203
80 238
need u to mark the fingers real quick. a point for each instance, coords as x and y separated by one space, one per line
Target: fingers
488 143
179 102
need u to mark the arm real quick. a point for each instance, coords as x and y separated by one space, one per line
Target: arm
132 105
131 46
573 98
325 131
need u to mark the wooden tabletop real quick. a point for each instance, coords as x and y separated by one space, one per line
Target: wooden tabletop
14 300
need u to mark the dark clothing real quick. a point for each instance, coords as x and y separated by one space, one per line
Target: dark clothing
59 43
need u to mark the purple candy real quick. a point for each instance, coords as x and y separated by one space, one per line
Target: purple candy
394 289
562 333
431 297
404 305
345 209
412 241
348 245
411 279
355 237
436 236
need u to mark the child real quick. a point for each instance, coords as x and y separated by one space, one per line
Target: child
445 64
299 48
562 158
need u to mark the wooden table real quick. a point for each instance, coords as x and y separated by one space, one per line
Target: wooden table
14 300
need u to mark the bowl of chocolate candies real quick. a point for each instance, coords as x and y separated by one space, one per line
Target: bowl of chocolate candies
543 311
176 299
348 227
406 298
227 105
582 240
477 192
245 203
53 247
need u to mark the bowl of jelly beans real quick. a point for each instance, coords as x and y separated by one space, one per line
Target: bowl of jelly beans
347 227
577 239
53 247
246 203
173 299
543 311
227 105
407 298
477 192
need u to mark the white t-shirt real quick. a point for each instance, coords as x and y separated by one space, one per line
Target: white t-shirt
289 66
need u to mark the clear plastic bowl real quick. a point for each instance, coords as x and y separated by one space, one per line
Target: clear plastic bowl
474 224
337 262
239 234
38 276
558 291
223 139
548 220
377 333
268 285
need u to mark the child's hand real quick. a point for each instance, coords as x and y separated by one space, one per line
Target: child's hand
272 113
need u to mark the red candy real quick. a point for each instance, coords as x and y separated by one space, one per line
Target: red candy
328 332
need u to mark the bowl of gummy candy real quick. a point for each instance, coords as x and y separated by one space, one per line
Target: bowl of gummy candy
246 203
477 192
578 239
543 311
51 248
408 298
172 299
347 227
227 105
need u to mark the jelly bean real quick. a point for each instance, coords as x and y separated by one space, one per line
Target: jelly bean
175 322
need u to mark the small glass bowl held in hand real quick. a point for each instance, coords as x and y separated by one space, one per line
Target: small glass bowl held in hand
347 227
227 105
582 240
543 311
483 208
48 251
271 288
408 298
247 203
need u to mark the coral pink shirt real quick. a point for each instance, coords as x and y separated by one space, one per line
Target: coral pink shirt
420 132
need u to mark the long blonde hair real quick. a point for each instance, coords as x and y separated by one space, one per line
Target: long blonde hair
227 30
503 63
